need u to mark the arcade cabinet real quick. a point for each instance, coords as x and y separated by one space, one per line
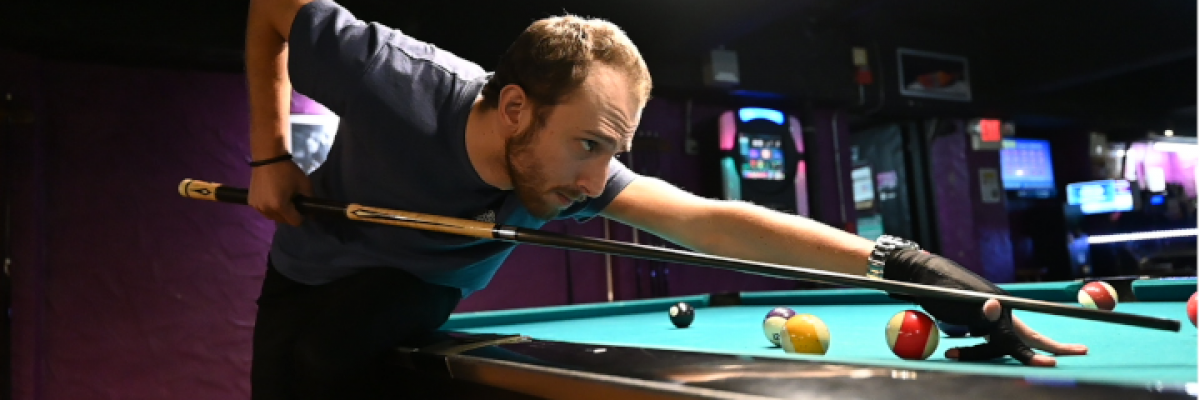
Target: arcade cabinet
761 158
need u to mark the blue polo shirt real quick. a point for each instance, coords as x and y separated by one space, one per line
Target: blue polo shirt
401 144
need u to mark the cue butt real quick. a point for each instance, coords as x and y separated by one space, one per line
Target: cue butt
201 190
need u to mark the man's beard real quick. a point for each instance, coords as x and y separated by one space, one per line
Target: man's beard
526 171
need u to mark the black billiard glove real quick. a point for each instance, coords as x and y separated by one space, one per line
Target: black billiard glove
917 266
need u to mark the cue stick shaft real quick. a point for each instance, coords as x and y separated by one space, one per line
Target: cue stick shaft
608 265
201 190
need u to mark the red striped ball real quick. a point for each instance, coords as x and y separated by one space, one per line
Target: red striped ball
1098 294
912 335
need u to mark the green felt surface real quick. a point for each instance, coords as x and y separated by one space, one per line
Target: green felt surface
1164 289
1118 354
576 311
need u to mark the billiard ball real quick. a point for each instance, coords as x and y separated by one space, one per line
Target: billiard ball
774 321
682 314
805 334
912 335
952 330
1098 294
1191 309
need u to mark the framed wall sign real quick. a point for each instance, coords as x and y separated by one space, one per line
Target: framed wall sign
933 75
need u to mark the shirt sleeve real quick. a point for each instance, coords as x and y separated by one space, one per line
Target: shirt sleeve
333 57
329 50
619 177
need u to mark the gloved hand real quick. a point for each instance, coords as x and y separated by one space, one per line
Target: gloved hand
990 319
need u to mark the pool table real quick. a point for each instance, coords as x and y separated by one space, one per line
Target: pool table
630 349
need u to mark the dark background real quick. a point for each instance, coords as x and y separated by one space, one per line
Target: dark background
1121 65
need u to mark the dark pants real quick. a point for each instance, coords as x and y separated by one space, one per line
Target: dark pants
331 341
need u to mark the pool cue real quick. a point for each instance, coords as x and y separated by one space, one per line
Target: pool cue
201 190
633 230
608 264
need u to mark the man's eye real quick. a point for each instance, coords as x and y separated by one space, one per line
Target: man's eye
588 144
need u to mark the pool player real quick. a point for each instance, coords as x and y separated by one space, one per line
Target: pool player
424 130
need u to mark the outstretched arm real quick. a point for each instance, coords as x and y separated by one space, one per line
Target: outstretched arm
738 229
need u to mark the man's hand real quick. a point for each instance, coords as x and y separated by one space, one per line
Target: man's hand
1005 346
272 188
1006 335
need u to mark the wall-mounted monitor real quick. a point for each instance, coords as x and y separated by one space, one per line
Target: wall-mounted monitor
1026 168
1096 197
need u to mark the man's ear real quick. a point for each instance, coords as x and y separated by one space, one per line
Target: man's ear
512 105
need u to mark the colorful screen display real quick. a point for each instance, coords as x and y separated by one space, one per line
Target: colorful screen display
762 156
1026 166
1096 197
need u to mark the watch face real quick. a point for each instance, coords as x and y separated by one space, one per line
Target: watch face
899 243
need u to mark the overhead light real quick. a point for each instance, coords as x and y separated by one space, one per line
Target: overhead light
1128 237
1169 132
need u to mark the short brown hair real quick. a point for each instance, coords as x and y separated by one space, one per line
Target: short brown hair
552 57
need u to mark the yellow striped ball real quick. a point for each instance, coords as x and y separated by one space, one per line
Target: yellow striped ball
805 334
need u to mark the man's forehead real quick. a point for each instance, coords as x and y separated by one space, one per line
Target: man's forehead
624 133
629 131
607 116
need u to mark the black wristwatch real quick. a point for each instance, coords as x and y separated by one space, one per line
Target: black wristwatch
884 246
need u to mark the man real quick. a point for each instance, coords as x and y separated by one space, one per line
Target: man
426 131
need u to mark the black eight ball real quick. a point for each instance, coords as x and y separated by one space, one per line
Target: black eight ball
682 314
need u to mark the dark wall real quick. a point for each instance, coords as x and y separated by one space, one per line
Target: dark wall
828 149
25 235
123 288
991 224
972 232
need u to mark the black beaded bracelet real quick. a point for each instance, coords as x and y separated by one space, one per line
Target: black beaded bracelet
259 163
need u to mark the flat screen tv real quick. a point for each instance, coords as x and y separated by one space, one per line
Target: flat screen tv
1097 197
1027 168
